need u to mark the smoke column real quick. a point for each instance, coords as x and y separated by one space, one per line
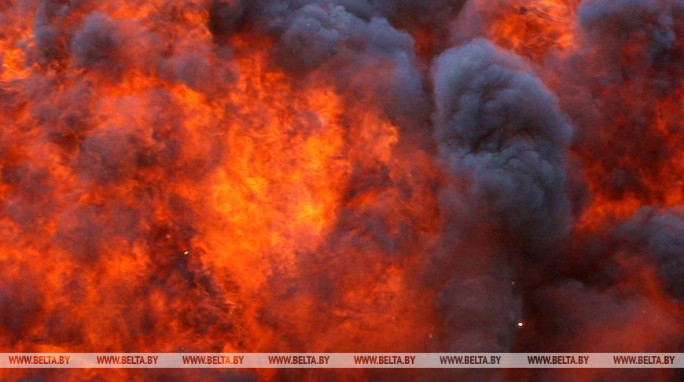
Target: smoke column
342 176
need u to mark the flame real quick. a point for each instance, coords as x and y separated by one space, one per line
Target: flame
168 185
531 28
650 164
260 171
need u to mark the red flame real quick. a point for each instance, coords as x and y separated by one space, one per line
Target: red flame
234 176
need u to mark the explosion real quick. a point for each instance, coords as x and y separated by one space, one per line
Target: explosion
342 176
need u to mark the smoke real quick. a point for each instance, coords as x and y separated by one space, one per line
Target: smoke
501 131
502 140
342 176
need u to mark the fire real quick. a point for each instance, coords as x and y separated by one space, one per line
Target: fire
531 28
341 176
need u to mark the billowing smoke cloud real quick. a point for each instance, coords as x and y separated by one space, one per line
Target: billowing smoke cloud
501 140
341 176
502 135
657 236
